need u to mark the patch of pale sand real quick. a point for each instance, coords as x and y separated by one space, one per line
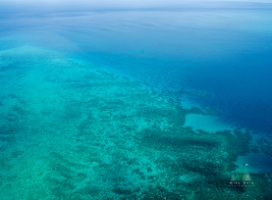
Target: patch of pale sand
207 123
191 177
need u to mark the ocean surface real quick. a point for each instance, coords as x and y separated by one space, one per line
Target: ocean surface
136 104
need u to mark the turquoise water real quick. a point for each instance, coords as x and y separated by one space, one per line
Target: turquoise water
129 104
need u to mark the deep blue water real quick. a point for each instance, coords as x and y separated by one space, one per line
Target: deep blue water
242 89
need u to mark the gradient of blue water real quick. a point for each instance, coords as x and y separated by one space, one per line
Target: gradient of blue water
225 52
230 57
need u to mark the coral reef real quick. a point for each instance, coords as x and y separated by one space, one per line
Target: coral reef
70 130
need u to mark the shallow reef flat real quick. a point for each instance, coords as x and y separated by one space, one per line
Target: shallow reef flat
71 130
